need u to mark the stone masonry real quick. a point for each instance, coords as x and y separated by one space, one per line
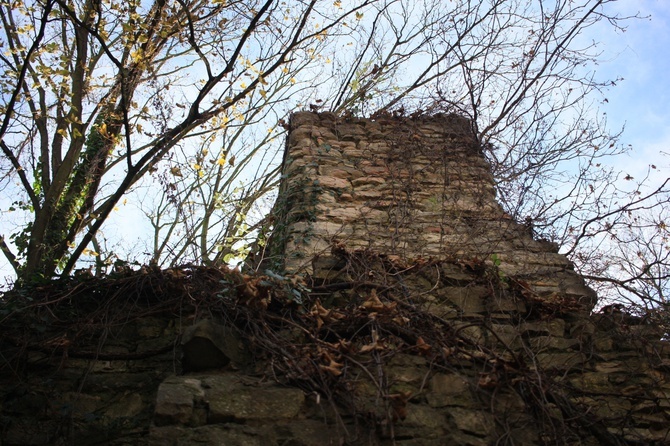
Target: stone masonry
408 188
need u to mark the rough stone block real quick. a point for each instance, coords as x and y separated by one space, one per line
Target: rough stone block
553 327
306 433
449 390
561 361
541 343
476 422
175 400
508 335
129 406
209 435
208 345
468 299
425 417
333 182
506 305
230 399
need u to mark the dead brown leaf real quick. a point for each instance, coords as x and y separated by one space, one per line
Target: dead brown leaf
422 346
334 368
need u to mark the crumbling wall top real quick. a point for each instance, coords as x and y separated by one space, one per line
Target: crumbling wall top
410 187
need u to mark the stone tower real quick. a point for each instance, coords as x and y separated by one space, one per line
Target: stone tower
411 189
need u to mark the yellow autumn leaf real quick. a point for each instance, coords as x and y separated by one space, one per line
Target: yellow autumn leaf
264 94
220 122
90 252
137 55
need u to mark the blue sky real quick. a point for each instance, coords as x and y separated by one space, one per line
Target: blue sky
641 102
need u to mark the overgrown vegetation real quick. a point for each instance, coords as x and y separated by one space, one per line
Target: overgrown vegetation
338 338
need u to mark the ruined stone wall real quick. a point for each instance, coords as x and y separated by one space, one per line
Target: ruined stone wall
414 312
407 188
443 354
